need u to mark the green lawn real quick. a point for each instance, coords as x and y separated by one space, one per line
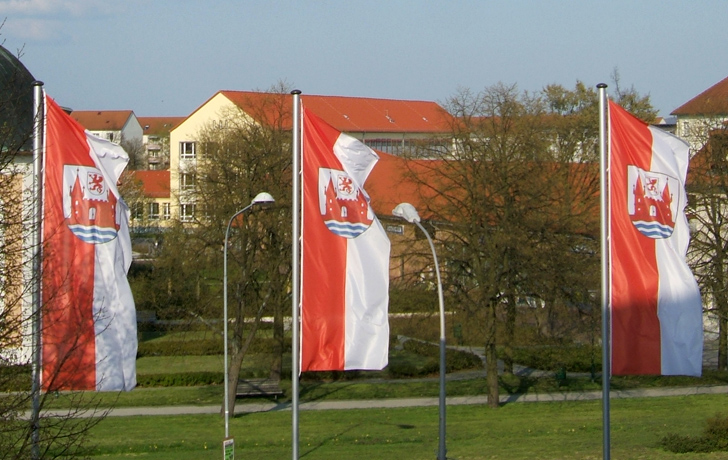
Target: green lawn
565 431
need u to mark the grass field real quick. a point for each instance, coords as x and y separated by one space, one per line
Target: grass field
556 430
564 430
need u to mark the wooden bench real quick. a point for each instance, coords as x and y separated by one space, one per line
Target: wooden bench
259 387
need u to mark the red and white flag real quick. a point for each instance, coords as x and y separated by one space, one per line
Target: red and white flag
88 331
656 309
345 261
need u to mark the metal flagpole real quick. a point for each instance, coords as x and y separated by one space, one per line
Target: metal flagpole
296 234
606 322
35 240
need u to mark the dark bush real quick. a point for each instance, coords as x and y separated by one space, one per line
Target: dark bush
571 358
15 378
406 369
331 376
455 360
412 300
197 347
185 379
714 438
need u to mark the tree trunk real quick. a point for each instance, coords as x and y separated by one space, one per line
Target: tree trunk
722 340
276 369
236 362
510 334
491 358
491 355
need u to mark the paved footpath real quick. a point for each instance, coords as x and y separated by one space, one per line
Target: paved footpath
242 408
710 358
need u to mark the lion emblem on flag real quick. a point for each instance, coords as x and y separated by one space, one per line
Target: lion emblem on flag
343 205
88 205
651 202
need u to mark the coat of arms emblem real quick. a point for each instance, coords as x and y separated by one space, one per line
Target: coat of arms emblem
651 202
343 205
88 205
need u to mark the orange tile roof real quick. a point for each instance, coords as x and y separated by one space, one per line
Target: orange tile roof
712 101
102 120
349 114
155 184
703 170
395 180
159 125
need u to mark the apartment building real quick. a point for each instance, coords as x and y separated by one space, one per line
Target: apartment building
155 141
702 114
386 125
151 208
113 125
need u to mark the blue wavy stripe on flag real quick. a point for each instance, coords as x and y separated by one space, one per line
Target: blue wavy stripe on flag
653 229
92 234
346 229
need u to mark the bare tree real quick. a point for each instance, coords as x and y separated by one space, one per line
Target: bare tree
52 435
492 205
240 155
707 189
517 206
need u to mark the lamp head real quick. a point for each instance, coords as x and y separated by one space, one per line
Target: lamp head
263 199
407 212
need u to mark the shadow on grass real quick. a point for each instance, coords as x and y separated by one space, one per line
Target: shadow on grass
317 391
334 437
514 384
327 440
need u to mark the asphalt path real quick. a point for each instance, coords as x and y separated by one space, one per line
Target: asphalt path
243 407
254 407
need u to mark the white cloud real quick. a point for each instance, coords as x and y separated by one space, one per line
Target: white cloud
33 30
47 7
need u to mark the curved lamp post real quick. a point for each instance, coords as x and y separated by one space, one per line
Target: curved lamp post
260 199
408 212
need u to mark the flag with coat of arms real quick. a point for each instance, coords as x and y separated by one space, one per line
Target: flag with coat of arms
345 255
88 321
656 309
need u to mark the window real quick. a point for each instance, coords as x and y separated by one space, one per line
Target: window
187 212
392 146
110 137
137 211
187 150
186 181
166 212
154 210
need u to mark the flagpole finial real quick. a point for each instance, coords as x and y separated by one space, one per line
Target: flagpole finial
38 83
296 91
601 85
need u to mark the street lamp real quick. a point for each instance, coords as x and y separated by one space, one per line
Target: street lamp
408 212
260 199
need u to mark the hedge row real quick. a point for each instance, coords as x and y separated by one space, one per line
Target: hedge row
455 360
571 358
197 347
185 379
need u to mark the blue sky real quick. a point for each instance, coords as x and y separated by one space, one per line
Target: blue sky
163 58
